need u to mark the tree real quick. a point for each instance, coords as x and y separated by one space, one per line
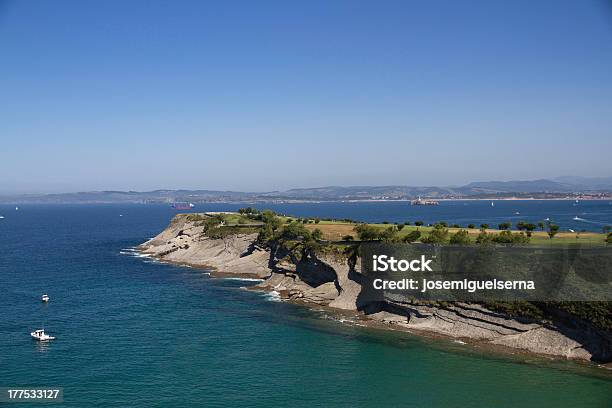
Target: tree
389 234
348 238
530 228
553 229
471 226
504 226
407 223
607 229
484 226
317 220
295 230
609 238
456 226
541 225
269 218
520 225
443 223
438 235
418 223
247 210
412 236
265 235
461 237
317 235
400 227
367 232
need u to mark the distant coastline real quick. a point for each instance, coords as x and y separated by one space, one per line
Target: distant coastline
556 189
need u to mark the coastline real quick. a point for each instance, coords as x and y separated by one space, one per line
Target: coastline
328 281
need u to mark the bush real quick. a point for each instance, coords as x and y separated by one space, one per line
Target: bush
471 226
389 234
438 235
348 238
461 237
412 236
507 237
484 238
367 232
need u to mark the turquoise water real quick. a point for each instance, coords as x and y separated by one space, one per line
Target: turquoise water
134 332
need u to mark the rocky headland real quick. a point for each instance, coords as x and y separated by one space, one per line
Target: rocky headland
332 278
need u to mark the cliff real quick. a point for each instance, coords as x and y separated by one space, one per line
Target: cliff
332 278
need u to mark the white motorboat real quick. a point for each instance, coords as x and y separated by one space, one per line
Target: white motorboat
1 217
40 335
44 298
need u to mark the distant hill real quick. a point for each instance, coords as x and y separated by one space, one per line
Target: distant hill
543 188
532 186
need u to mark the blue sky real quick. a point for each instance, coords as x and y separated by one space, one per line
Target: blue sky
272 95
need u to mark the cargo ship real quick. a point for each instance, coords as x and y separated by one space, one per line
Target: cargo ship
182 206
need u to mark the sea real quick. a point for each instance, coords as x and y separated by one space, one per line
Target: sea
134 332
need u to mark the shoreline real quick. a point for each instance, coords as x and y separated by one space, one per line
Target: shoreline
327 280
363 321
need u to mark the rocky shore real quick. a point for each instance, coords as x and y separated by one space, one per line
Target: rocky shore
333 280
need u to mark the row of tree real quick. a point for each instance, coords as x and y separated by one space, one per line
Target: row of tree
439 234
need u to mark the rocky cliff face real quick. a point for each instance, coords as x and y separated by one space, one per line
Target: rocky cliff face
333 279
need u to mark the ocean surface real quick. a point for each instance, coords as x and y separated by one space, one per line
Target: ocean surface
133 332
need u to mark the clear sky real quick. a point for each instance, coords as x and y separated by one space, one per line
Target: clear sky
264 95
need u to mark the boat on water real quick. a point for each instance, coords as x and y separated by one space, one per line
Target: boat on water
576 218
420 201
40 335
492 204
44 298
1 217
182 206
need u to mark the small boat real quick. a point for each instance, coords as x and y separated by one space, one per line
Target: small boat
517 213
571 230
44 298
40 335
576 218
16 208
1 217
492 204
182 205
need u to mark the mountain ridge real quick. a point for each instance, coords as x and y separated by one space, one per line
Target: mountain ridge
540 188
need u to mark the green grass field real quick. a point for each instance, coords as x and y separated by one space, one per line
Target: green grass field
338 230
